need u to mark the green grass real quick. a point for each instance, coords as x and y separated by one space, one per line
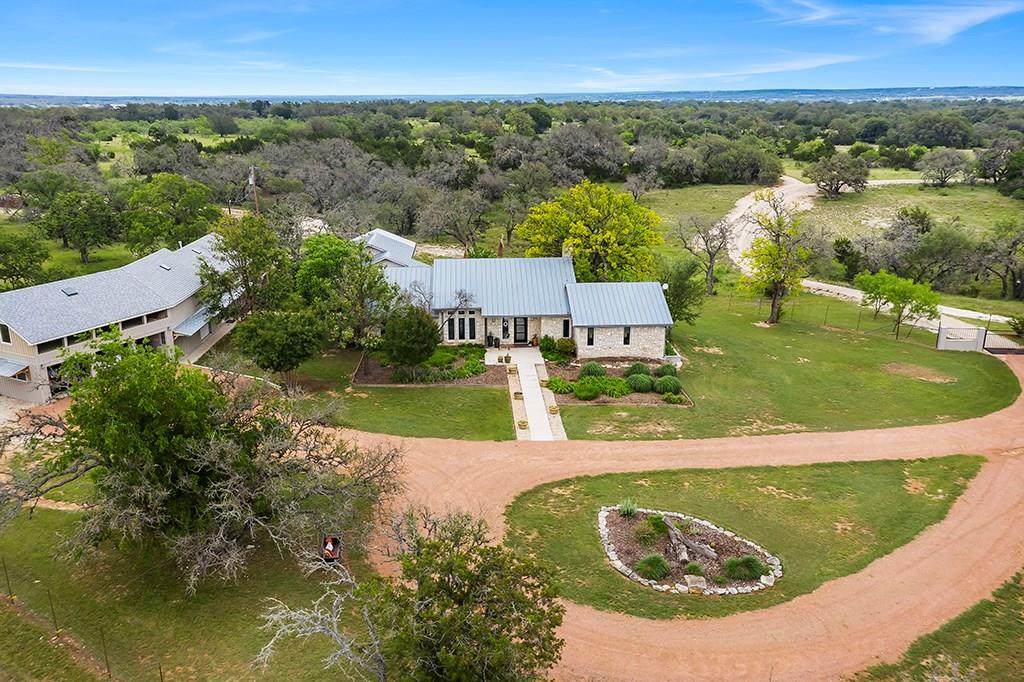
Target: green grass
823 521
29 653
709 201
986 641
67 261
466 412
979 207
994 306
801 376
146 616
795 169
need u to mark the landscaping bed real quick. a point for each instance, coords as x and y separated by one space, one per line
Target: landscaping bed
673 552
449 365
614 381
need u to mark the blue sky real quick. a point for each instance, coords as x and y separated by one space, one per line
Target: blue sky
380 47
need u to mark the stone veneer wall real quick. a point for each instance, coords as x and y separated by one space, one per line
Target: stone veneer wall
644 342
695 584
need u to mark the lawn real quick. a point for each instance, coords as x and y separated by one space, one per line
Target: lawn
146 617
986 642
804 376
709 201
823 521
28 653
466 412
994 306
979 207
67 261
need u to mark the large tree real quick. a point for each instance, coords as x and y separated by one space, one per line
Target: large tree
457 214
279 341
608 234
707 240
464 609
166 210
85 220
941 166
779 256
251 272
835 172
21 260
339 277
203 468
410 336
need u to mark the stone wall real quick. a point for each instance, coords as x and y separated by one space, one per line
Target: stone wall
644 342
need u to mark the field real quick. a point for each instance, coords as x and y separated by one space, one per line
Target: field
984 643
29 653
822 521
466 412
67 261
795 169
813 372
978 207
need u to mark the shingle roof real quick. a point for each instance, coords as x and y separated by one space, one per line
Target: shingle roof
158 281
504 286
389 247
617 304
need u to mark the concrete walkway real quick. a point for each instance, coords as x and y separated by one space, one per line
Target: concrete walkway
533 407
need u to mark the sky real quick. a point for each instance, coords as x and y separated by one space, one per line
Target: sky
438 47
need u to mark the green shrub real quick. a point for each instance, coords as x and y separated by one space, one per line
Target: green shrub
657 524
668 384
547 344
559 385
586 390
645 535
747 567
565 347
719 580
641 383
674 398
666 371
615 387
638 368
1017 324
627 507
652 567
591 369
693 568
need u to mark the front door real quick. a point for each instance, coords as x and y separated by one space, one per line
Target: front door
520 323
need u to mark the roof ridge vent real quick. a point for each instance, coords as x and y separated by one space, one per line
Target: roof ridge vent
166 267
69 291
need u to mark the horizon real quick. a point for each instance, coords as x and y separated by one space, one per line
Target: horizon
387 48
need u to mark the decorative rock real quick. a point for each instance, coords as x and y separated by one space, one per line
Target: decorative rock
768 580
696 581
680 588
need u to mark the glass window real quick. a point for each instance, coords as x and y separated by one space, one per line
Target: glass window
462 329
590 336
565 329
625 336
472 329
451 328
5 333
23 375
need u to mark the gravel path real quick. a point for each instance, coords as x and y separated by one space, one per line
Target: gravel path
843 626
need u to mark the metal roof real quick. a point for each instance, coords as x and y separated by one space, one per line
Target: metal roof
413 281
504 287
618 304
158 281
193 322
8 367
389 248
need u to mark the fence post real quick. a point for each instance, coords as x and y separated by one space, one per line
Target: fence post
859 314
160 669
825 323
7 578
760 301
53 611
106 658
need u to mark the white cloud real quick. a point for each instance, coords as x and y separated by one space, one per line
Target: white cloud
254 37
38 66
930 23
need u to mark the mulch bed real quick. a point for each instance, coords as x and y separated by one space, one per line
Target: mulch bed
615 367
622 534
371 373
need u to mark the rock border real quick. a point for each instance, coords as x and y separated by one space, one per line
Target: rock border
694 584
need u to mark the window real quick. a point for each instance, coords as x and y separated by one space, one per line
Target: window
451 328
462 329
565 329
23 375
590 336
50 345
472 329
5 333
133 322
625 336
158 315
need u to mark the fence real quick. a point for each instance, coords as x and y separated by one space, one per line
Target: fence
961 338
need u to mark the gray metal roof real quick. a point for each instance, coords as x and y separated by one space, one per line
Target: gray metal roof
389 248
504 286
618 304
193 322
158 281
9 367
413 281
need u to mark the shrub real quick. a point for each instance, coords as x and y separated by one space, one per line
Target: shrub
586 390
666 371
1017 324
719 580
547 344
592 369
657 524
693 568
627 507
614 387
638 368
559 385
674 398
565 346
645 535
641 383
747 567
652 567
668 384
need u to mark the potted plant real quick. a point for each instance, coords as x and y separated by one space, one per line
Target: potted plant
508 358
523 424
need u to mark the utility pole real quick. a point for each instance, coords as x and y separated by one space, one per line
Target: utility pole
253 189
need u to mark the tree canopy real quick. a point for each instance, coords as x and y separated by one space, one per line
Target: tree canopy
84 220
